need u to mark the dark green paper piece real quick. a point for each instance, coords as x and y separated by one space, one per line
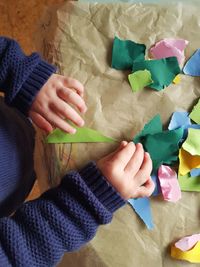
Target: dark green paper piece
152 127
163 147
163 71
125 52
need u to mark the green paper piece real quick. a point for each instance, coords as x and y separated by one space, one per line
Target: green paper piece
188 183
82 135
139 79
195 114
124 52
163 71
192 143
152 127
163 147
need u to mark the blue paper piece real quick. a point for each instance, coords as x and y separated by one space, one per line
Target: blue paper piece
195 172
179 119
192 66
157 190
143 209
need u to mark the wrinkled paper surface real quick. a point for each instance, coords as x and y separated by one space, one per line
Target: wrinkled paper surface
78 38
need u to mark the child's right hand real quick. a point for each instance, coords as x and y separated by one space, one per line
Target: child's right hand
128 170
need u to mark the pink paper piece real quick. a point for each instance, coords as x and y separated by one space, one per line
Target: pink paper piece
170 48
187 242
169 184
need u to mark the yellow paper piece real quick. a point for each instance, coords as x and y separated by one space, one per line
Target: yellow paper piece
192 255
187 162
177 79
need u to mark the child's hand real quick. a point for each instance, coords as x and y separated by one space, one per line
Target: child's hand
128 170
52 104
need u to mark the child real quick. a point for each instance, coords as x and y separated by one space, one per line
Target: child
66 217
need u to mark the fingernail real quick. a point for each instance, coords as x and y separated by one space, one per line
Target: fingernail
73 131
81 123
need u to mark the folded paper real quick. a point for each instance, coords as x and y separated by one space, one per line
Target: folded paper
143 209
169 184
125 52
192 255
195 114
187 162
139 79
192 143
187 242
192 66
163 71
82 135
170 48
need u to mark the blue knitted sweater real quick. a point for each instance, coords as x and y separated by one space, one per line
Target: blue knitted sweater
62 219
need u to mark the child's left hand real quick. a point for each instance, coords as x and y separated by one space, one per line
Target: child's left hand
52 104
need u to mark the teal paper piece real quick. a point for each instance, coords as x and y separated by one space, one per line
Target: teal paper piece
163 71
152 127
125 52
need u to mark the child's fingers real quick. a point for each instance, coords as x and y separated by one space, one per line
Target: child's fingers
40 121
56 121
73 98
75 84
145 170
121 146
147 189
66 111
136 160
124 155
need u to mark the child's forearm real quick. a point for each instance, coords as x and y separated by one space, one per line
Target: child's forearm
61 220
21 76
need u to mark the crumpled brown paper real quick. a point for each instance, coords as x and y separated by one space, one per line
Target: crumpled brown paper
78 39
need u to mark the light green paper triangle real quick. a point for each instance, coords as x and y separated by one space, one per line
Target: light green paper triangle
82 135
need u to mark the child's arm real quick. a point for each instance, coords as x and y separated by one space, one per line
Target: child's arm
29 84
65 218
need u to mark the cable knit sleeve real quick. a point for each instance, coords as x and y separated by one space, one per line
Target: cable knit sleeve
21 76
61 220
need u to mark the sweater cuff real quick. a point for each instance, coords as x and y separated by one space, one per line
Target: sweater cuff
32 85
98 184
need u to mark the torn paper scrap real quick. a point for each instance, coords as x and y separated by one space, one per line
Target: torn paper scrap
163 147
169 184
82 135
177 79
192 143
179 119
187 162
195 172
170 47
124 52
188 183
192 66
187 242
195 114
157 189
139 79
163 71
152 127
192 255
143 209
